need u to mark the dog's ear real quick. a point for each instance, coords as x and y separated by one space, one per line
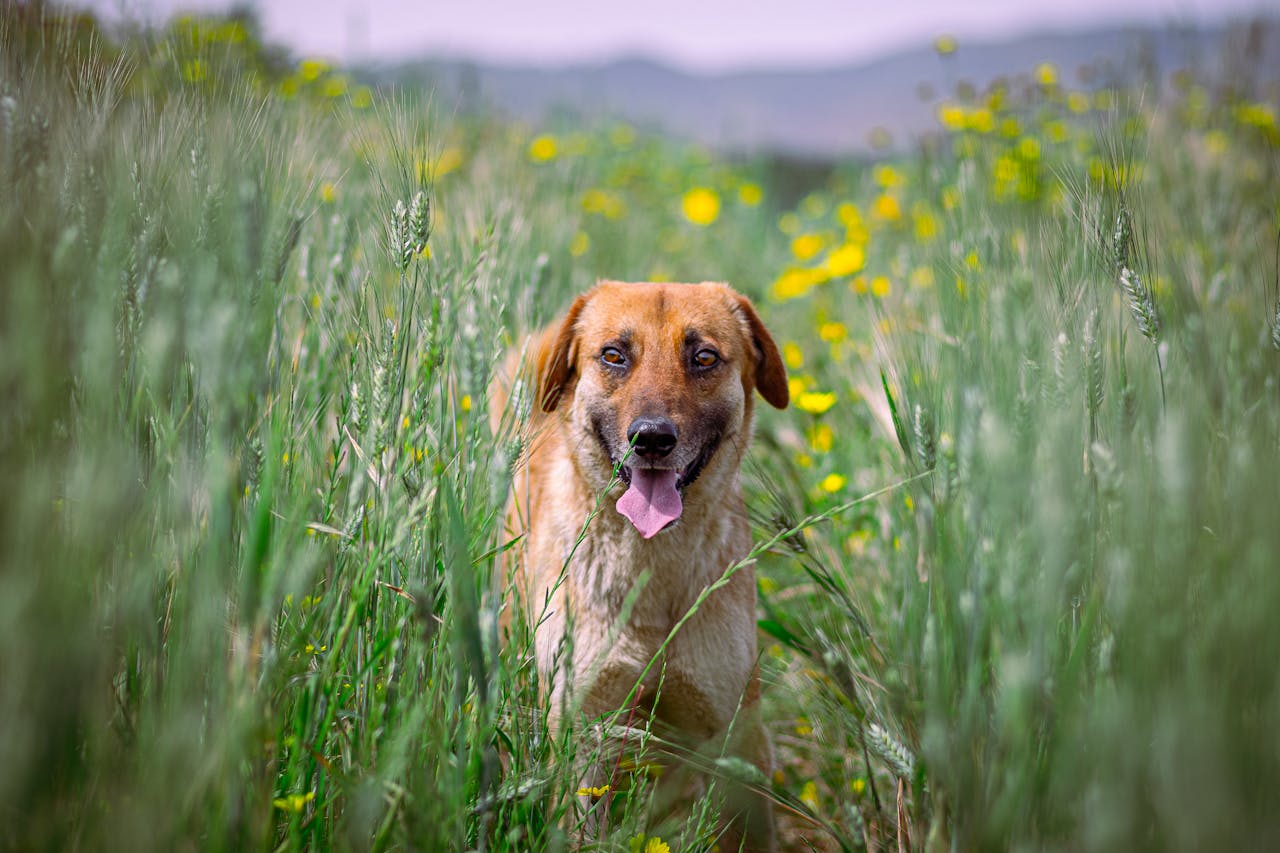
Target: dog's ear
771 375
556 356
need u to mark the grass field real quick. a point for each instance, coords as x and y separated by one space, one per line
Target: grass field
1024 577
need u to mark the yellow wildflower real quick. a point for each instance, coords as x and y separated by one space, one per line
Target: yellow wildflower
594 791
945 45
796 282
293 802
1078 102
311 69
543 148
789 222
335 86
809 795
362 98
580 244
880 287
448 161
981 120
926 224
833 483
886 208
821 438
793 355
887 176
951 116
1047 74
701 205
833 332
465 403
750 194
806 246
846 260
859 285
857 786
816 402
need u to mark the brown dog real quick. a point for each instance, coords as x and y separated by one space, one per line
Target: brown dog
654 381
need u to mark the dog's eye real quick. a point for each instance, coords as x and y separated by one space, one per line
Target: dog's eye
613 357
706 358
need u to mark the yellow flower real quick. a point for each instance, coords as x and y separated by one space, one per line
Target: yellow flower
857 786
750 194
833 332
971 261
701 205
806 246
603 203
362 99
1078 102
789 222
846 260
311 69
335 86
580 244
816 402
809 795
795 282
448 161
1047 74
880 287
859 285
651 844
543 148
328 193
888 177
593 791
465 402
1029 148
793 355
951 116
981 120
886 208
821 438
293 802
802 727
833 483
945 45
926 225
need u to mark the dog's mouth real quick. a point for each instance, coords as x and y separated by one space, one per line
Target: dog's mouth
654 499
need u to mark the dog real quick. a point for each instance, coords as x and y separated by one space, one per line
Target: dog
629 503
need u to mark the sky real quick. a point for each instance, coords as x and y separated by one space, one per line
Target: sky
695 35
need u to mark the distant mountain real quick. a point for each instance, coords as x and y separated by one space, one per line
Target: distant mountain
823 112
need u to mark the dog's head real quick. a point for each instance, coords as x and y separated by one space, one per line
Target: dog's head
665 371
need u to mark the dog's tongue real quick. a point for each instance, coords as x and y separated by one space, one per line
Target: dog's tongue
652 502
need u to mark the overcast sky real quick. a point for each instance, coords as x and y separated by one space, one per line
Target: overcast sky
705 35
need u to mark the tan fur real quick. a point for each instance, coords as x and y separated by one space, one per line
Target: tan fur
708 673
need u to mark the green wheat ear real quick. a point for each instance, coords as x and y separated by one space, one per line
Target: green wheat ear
926 442
890 750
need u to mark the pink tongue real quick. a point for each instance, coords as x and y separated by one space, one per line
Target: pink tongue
652 502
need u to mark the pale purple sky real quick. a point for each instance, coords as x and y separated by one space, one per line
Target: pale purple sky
697 35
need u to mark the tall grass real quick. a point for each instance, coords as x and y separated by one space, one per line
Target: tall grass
251 515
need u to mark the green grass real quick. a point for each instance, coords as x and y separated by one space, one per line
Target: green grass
251 504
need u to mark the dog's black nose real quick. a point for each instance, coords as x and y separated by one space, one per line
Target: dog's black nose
653 437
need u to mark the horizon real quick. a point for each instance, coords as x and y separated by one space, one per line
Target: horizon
716 39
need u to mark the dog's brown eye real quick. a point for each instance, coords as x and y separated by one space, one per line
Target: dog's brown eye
706 358
613 356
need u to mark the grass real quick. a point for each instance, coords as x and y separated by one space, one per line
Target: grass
1018 533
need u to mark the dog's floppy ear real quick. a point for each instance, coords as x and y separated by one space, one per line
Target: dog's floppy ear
556 356
771 375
